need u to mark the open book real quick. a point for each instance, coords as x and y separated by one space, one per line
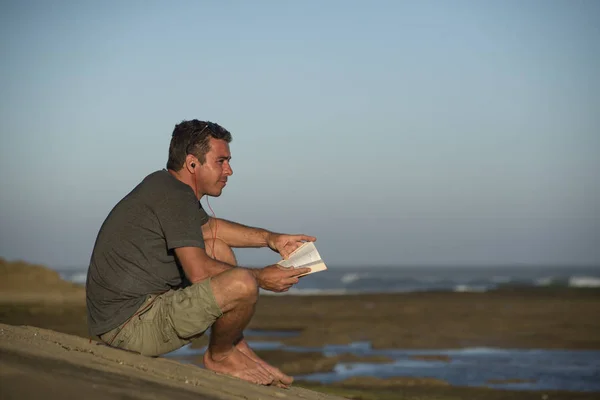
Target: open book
305 256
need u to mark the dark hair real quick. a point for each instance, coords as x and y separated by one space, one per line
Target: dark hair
192 137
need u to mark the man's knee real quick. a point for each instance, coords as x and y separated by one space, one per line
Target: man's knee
234 287
244 284
219 250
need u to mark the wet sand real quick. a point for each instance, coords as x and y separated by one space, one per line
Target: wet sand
531 318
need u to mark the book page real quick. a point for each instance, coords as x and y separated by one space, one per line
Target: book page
305 256
302 256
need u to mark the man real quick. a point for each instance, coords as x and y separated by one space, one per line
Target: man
162 271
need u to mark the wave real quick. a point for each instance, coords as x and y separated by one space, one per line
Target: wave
340 282
545 281
584 281
470 289
352 277
569 281
78 277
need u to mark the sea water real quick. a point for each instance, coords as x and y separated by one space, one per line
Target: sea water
348 280
517 369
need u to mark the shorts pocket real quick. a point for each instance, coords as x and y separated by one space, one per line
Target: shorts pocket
192 310
118 340
157 329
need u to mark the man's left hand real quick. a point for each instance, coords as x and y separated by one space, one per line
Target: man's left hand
286 244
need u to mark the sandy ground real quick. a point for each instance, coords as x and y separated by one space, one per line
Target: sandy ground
38 363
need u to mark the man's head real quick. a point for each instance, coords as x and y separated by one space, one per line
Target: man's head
201 149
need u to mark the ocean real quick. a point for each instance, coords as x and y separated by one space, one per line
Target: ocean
349 280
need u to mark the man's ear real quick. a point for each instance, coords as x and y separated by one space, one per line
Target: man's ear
191 163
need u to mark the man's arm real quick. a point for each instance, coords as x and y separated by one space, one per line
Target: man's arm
198 266
234 234
238 235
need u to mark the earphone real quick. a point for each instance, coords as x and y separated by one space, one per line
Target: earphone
193 165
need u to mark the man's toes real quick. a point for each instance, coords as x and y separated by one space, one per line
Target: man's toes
286 379
280 384
255 377
264 377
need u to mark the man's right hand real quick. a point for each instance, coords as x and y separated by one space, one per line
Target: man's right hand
276 278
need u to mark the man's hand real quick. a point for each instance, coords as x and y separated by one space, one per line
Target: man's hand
275 278
286 244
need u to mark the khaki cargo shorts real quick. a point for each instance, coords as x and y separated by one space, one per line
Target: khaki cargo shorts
168 321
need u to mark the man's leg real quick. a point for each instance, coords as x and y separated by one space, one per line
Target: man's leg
236 293
221 341
219 250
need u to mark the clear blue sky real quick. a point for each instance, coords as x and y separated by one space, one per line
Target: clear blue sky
397 132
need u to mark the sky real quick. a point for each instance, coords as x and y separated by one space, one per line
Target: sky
396 132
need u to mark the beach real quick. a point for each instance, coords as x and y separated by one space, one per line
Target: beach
513 318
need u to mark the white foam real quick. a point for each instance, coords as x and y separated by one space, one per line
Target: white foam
584 281
79 277
76 276
545 281
353 369
349 278
467 288
478 350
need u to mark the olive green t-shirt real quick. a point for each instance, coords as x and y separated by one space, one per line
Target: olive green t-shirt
134 252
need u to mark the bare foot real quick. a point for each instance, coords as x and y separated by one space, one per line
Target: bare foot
238 365
285 380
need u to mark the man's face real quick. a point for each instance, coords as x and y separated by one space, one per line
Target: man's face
212 175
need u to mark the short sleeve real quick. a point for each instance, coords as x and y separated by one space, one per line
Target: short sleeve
181 217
